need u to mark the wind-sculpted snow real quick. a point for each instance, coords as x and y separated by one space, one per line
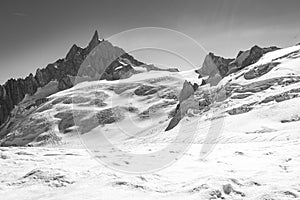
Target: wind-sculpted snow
253 170
101 102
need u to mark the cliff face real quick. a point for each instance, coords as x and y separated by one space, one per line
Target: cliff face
107 62
216 67
186 101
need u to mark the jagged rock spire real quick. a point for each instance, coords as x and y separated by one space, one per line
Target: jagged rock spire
94 42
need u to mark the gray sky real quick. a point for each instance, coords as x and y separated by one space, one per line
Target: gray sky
37 32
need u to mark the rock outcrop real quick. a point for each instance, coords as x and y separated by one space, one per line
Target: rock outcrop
186 101
251 56
259 70
216 67
215 64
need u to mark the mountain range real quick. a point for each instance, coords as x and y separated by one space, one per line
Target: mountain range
100 60
64 72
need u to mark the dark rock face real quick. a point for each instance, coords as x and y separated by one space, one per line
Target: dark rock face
291 94
12 92
110 115
176 117
132 59
107 62
227 188
292 119
241 96
37 102
66 121
155 109
216 67
259 86
259 71
186 92
144 90
5 105
221 63
65 83
240 110
255 54
93 43
117 71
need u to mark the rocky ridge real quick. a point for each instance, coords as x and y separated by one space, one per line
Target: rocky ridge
216 67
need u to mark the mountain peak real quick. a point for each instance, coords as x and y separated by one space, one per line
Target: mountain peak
95 36
94 41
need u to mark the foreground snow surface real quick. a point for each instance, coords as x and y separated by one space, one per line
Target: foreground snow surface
256 170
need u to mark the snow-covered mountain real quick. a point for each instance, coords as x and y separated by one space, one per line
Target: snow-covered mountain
100 60
237 119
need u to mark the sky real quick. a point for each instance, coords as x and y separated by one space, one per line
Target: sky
34 33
